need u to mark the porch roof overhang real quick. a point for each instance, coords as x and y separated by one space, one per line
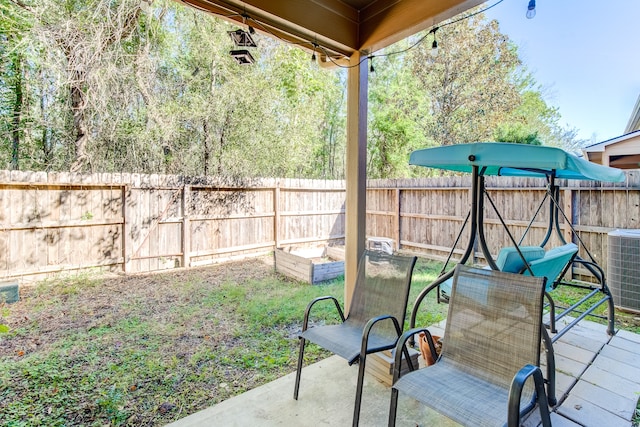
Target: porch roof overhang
339 27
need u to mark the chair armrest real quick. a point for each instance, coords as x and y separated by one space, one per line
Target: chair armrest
313 302
401 347
515 394
367 329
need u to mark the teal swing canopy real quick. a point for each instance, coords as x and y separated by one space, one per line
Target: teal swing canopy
506 159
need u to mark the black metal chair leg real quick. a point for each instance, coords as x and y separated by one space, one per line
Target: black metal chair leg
551 368
299 370
356 409
393 408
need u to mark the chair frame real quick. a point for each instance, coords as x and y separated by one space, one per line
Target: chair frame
367 330
514 411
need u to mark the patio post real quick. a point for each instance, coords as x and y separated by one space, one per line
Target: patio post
356 173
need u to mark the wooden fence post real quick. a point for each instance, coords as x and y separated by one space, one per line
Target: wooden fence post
397 213
186 226
276 214
127 243
568 211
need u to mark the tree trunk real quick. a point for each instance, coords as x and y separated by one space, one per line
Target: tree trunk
207 146
17 113
78 107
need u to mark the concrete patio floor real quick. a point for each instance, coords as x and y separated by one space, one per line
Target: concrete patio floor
598 384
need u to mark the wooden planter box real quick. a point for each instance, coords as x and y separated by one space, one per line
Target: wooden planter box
380 365
311 265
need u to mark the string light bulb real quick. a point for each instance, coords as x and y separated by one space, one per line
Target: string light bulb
371 69
531 9
434 45
313 55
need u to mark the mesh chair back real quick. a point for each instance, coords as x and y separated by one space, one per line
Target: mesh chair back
494 324
382 287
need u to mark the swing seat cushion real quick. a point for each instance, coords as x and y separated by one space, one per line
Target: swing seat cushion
553 263
509 260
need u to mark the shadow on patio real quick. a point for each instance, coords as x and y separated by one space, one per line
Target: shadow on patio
598 384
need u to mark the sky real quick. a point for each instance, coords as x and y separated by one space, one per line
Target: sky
586 56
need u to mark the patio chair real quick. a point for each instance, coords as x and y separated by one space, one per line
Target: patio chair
491 347
375 320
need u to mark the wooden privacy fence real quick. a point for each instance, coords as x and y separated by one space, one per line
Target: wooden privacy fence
57 222
53 222
426 215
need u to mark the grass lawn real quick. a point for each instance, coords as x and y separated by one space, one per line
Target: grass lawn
150 349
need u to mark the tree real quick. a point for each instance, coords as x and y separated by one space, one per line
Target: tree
105 85
397 108
74 38
13 25
470 81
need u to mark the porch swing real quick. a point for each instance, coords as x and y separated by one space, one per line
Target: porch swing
518 160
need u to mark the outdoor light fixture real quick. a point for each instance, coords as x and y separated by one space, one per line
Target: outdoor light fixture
434 45
531 9
242 57
242 38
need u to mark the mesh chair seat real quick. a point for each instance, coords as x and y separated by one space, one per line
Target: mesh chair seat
460 396
345 340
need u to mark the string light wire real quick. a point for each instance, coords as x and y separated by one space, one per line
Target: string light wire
316 46
414 45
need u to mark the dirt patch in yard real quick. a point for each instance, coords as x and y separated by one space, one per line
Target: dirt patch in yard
88 303
148 349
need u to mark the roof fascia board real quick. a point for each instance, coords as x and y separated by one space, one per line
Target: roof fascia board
634 120
328 23
386 22
599 147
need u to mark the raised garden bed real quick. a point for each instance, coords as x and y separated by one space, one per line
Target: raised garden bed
311 265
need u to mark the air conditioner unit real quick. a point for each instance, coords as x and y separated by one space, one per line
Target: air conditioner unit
381 244
623 270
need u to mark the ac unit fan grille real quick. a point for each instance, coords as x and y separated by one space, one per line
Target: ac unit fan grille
623 271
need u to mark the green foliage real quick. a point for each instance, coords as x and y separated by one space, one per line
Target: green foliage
397 109
97 85
516 134
470 81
